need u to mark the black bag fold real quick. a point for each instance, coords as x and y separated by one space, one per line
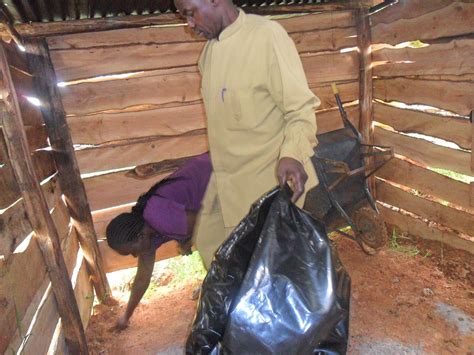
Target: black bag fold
275 286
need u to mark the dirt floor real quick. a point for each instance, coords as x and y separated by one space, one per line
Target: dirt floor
412 298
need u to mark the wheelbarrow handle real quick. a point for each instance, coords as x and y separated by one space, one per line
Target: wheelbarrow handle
345 120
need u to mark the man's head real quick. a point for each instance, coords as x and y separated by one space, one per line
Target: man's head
207 18
128 233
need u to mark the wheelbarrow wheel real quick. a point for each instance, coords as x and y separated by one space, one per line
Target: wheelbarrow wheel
371 232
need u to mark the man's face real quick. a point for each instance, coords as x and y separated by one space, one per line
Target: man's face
201 16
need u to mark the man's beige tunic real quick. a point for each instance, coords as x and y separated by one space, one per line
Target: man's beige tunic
259 109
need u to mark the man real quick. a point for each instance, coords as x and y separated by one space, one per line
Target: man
260 114
166 212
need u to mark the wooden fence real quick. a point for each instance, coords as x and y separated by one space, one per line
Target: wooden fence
423 96
132 100
135 114
29 318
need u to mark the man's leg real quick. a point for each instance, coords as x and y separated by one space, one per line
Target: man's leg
210 231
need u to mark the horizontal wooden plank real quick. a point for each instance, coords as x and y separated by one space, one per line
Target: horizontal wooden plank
42 315
14 222
23 282
39 29
70 248
348 92
426 181
444 77
8 185
81 56
424 152
43 163
423 20
14 228
471 194
181 33
182 85
84 293
107 127
433 211
176 86
436 59
106 191
447 95
450 128
92 62
42 160
20 278
419 228
88 63
114 261
330 120
123 37
318 21
330 67
115 157
138 153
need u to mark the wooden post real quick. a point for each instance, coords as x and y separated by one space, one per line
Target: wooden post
471 118
69 176
38 214
364 40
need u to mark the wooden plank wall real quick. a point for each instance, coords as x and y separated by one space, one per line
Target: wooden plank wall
27 304
153 111
439 74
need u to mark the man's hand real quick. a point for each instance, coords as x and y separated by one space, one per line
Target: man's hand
291 170
122 323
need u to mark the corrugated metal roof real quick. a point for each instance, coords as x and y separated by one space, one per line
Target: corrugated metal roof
26 11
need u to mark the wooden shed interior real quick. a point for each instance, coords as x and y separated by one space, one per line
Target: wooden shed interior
100 101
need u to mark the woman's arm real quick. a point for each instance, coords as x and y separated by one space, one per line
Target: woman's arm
185 245
140 284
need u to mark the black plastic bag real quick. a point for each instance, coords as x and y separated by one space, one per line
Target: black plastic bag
275 286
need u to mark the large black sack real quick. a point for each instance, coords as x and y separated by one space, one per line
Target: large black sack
275 286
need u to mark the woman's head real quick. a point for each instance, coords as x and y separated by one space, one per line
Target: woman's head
128 233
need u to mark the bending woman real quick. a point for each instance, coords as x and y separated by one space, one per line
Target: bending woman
166 212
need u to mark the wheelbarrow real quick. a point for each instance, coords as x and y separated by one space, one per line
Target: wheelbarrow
342 197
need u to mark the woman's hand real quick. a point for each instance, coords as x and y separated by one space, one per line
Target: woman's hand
122 323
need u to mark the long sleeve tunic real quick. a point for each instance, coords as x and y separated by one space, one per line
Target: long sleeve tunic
259 109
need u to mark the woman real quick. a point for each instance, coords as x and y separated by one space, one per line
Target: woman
166 212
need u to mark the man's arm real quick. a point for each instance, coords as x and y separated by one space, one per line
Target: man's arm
289 88
140 285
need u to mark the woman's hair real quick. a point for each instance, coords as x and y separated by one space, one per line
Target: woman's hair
126 226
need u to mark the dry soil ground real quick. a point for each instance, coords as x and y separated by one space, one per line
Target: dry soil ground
413 298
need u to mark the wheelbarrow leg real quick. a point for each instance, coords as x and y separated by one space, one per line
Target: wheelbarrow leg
369 197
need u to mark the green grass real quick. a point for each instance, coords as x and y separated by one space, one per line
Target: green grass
417 44
187 268
181 269
394 244
454 175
